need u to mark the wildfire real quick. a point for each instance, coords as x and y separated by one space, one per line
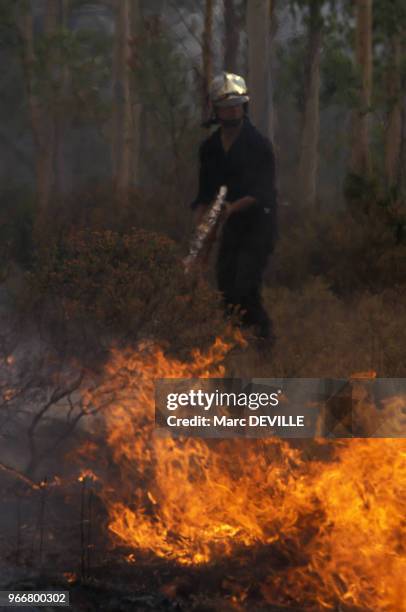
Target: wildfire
70 577
340 522
87 474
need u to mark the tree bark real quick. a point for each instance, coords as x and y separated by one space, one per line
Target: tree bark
51 16
402 163
42 124
393 136
309 149
137 109
207 55
231 36
123 127
258 18
360 164
62 182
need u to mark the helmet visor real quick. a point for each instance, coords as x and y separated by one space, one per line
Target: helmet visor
230 100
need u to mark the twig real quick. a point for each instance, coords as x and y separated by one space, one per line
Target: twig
89 529
82 529
18 542
44 484
13 472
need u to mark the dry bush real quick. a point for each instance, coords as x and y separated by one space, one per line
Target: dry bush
125 287
322 335
89 292
352 255
100 208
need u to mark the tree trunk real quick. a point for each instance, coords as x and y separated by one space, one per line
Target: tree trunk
62 182
402 164
51 16
137 109
393 136
309 149
42 124
258 19
123 129
207 55
231 36
360 151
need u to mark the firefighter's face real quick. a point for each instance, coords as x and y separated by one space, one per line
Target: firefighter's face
228 114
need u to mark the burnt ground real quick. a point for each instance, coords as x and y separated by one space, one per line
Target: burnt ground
118 586
57 541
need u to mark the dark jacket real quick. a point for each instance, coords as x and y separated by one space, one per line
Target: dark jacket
247 169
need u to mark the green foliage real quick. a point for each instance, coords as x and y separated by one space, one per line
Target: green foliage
163 84
161 73
9 35
291 77
389 18
361 189
389 21
130 285
339 82
309 10
86 56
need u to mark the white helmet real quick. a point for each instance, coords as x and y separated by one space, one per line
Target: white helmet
228 89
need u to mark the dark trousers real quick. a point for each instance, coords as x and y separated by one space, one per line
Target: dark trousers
239 278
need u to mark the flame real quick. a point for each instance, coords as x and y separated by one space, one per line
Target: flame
87 474
340 522
368 375
70 577
8 394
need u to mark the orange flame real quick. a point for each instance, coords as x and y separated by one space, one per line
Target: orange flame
70 577
87 474
193 500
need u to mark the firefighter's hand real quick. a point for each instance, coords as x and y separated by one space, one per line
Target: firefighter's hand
226 212
239 205
224 215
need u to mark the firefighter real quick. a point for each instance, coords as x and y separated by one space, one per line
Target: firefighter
238 156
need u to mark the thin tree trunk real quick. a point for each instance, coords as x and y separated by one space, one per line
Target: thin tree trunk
402 153
393 136
207 55
309 149
360 150
258 17
61 122
51 16
122 141
137 110
402 163
115 128
231 36
42 124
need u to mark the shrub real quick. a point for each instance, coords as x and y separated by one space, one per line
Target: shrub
128 286
350 254
320 334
